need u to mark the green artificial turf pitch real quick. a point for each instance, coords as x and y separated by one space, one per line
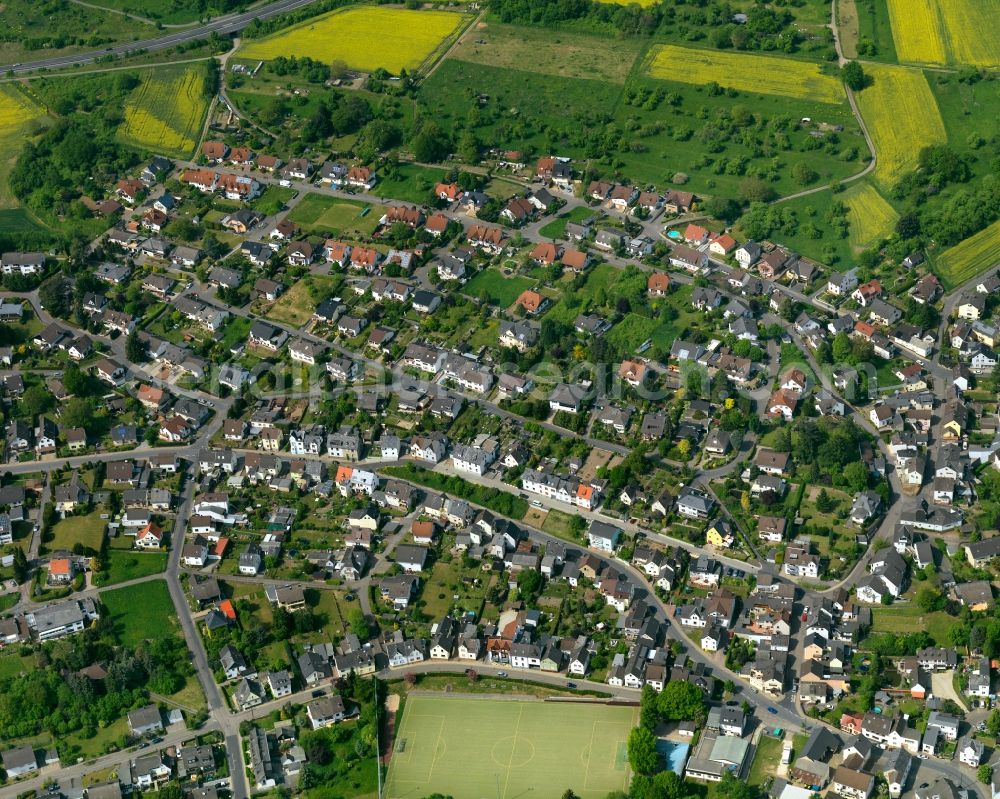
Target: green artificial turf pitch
479 748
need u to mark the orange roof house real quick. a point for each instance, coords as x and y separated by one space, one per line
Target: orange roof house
695 234
436 224
545 166
226 609
241 155
864 329
531 301
574 259
411 217
150 396
60 568
723 244
632 372
423 531
546 253
220 547
214 150
447 191
658 284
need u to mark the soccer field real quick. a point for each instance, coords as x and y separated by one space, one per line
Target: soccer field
485 748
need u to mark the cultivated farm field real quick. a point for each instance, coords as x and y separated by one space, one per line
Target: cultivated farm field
405 39
165 113
946 31
917 29
871 217
970 257
746 72
902 117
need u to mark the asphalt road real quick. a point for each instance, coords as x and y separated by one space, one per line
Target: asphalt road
224 25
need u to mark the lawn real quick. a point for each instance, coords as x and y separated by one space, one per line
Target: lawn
765 759
497 289
869 214
968 258
272 200
560 525
322 213
902 118
744 72
295 307
12 664
165 113
86 530
518 746
123 565
408 183
556 229
445 583
140 612
911 619
405 39
550 52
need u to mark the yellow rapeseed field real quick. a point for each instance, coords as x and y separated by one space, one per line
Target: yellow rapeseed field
970 257
870 215
902 117
917 31
166 112
971 27
15 110
946 31
365 38
756 74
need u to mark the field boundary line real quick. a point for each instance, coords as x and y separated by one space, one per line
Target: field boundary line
513 751
437 747
590 755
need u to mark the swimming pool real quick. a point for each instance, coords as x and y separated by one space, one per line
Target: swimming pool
673 234
674 755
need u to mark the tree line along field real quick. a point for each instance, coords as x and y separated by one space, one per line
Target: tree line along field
746 72
902 117
173 12
365 38
17 113
970 257
946 31
18 116
166 112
